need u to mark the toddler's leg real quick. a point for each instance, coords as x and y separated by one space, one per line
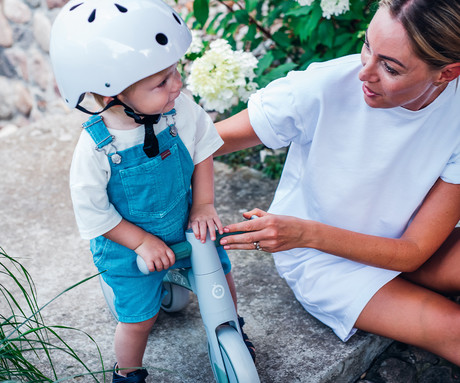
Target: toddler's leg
130 343
231 286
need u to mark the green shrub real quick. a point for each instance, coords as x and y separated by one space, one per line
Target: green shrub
27 345
283 35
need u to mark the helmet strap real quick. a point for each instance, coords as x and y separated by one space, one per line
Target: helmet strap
151 147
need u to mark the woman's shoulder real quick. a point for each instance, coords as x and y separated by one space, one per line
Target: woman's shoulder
339 69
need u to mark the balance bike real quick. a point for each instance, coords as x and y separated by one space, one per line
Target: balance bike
230 359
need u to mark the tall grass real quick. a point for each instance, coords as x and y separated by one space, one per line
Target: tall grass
29 347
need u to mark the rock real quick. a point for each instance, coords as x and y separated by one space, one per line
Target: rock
42 30
17 11
6 32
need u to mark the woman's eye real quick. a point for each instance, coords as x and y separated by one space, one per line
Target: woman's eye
366 44
389 69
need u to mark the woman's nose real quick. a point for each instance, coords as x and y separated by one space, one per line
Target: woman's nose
368 71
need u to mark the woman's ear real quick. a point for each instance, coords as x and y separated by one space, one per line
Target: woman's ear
449 72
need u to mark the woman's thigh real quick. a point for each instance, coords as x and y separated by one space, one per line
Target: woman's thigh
409 313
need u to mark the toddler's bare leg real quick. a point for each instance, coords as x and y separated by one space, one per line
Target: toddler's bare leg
130 343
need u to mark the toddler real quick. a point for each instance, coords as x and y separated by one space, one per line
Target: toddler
142 171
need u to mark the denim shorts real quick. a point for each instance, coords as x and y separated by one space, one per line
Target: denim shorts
137 296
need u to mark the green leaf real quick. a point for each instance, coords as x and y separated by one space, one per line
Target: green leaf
251 34
282 38
251 5
300 11
311 24
264 63
326 33
278 72
201 11
241 16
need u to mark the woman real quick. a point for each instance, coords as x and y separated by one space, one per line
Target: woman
362 224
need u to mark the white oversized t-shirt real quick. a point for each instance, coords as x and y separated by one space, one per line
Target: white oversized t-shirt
350 166
90 169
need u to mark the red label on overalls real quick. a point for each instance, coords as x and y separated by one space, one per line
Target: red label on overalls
165 154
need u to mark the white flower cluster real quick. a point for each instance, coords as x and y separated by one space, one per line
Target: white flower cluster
197 43
330 7
222 76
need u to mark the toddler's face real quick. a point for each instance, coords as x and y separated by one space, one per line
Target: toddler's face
155 94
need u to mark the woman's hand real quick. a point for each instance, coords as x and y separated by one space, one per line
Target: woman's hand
271 232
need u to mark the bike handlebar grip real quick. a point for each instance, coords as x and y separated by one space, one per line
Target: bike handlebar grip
142 265
181 250
220 236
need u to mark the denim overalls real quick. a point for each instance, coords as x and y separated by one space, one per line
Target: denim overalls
154 194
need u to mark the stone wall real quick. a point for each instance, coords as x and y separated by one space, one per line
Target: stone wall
27 86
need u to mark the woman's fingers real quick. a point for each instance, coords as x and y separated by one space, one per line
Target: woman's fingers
250 225
254 213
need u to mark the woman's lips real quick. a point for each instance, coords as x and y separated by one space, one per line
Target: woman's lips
369 92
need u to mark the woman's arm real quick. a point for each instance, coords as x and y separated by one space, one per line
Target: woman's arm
237 133
434 221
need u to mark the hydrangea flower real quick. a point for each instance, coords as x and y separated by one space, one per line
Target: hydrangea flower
334 7
305 2
222 76
197 43
330 7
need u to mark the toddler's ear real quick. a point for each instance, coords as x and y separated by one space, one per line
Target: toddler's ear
107 99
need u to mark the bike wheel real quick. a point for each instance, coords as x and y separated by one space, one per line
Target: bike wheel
238 362
177 298
108 296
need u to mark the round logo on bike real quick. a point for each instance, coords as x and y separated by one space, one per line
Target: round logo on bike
218 291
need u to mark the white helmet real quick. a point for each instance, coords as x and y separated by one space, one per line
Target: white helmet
104 46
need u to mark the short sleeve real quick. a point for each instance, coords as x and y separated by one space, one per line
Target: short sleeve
286 110
196 129
451 173
89 175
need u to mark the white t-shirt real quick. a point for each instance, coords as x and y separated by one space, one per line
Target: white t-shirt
351 166
90 169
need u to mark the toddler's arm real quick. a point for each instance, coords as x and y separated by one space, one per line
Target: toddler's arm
203 215
156 254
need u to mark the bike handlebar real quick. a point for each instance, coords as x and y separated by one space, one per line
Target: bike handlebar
182 250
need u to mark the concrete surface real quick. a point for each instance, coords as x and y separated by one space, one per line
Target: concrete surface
37 227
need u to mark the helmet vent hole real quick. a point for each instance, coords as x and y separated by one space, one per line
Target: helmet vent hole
161 39
121 9
92 17
75 6
177 19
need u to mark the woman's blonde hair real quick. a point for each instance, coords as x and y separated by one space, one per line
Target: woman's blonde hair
432 26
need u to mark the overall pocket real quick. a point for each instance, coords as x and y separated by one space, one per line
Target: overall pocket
154 188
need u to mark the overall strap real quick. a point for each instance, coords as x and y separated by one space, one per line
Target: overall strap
101 136
98 131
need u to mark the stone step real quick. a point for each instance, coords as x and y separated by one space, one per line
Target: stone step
37 227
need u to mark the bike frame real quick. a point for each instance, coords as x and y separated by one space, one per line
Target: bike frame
207 280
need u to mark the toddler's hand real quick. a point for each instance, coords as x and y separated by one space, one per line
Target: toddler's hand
156 254
203 217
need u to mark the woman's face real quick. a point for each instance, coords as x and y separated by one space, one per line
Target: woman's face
392 75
